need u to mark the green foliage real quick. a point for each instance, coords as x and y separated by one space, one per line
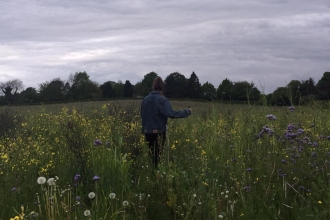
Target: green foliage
82 87
128 89
323 87
208 91
194 87
224 91
176 85
220 161
145 87
52 91
106 89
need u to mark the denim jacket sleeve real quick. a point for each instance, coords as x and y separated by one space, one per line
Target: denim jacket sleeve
166 109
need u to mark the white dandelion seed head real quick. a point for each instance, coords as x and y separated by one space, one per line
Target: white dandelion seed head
220 216
125 203
87 213
226 196
51 182
194 195
222 193
91 195
200 203
112 195
41 180
227 192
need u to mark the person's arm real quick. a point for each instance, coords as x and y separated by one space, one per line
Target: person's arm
167 110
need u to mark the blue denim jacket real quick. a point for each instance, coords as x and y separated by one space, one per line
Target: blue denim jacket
155 109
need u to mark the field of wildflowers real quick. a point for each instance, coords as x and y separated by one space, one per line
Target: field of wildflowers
90 161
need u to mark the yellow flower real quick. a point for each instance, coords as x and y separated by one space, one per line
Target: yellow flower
319 202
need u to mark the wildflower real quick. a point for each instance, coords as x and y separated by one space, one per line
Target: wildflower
247 188
87 213
271 117
226 196
41 180
125 203
328 137
76 177
313 154
78 198
194 195
96 178
315 144
248 169
220 216
13 189
112 195
91 195
319 202
284 161
51 181
291 108
97 143
227 192
300 131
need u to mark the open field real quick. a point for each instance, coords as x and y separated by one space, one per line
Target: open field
222 162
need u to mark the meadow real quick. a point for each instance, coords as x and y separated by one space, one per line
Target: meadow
90 161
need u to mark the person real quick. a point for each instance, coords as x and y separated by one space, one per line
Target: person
155 110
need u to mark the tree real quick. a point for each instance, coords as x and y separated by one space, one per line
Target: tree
208 91
293 92
11 88
279 97
82 87
224 90
128 89
29 95
118 89
106 89
52 91
194 87
175 85
244 91
323 87
307 87
146 83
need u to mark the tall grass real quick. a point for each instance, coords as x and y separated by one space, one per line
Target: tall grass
222 162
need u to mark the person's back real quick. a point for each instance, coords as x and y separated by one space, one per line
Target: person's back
155 109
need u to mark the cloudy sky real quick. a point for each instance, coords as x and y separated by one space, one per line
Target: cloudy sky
269 42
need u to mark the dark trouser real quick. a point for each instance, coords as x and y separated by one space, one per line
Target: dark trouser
156 143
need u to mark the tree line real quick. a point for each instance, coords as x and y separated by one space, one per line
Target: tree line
79 86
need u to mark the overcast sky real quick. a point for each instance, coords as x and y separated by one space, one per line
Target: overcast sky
269 42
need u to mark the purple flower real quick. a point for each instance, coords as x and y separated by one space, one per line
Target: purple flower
247 188
291 109
97 142
315 144
282 174
313 154
248 169
13 189
300 131
328 137
291 127
76 177
284 161
271 117
78 198
96 178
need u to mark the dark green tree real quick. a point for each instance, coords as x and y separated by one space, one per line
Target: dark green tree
128 89
293 92
323 87
146 84
118 89
83 88
11 89
280 97
52 91
208 91
29 95
194 87
307 87
244 91
176 85
224 91
106 89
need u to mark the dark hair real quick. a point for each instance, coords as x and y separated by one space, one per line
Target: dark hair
158 84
